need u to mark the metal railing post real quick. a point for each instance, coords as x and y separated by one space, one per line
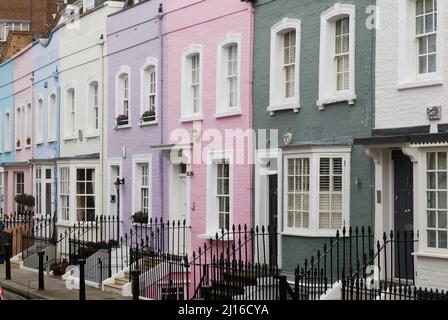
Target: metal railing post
135 285
41 270
8 250
82 280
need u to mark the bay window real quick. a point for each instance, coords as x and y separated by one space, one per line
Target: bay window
436 200
85 194
317 186
64 191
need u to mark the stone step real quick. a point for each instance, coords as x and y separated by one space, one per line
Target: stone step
114 288
121 281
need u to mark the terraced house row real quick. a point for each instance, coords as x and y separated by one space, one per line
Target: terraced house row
322 121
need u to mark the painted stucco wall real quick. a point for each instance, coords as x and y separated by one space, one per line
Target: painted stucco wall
338 120
206 23
133 37
6 105
23 95
409 106
46 66
80 63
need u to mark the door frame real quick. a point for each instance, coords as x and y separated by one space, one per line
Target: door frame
173 176
114 162
261 188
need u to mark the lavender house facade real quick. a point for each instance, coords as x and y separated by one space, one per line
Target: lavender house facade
134 114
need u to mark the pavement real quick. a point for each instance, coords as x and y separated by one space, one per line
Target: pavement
25 284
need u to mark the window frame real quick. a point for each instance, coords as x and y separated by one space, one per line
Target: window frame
86 195
67 195
145 70
408 75
328 93
51 117
424 242
70 113
40 111
223 108
28 124
8 134
93 111
277 99
187 107
18 128
212 205
137 162
120 96
315 154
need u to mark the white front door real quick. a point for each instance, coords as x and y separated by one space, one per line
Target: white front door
179 207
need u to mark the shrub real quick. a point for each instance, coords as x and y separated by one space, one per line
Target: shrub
140 217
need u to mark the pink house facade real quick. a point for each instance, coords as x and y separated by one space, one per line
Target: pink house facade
18 173
207 98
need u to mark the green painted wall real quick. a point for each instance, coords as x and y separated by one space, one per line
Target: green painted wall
310 124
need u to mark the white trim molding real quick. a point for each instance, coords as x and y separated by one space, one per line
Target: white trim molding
212 216
408 73
223 108
328 93
187 112
150 62
137 160
121 71
277 99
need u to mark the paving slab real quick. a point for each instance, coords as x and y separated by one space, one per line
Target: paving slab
25 283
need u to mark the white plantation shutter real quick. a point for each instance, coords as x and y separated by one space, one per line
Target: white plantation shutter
330 192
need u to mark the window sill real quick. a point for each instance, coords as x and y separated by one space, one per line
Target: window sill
229 113
64 224
285 106
28 146
148 123
427 254
126 126
420 84
51 140
18 149
39 142
92 135
67 139
320 234
191 118
7 150
349 98
208 236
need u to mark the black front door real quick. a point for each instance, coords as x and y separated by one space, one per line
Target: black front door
273 219
403 214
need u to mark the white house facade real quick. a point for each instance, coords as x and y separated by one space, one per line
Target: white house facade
409 146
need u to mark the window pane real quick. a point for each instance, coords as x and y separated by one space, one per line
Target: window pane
442 180
431 221
431 180
442 199
432 63
442 239
441 220
432 241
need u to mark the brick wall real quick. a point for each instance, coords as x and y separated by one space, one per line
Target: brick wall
38 11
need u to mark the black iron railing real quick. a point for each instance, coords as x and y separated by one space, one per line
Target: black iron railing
359 289
356 254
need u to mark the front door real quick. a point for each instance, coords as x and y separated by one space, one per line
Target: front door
273 219
403 214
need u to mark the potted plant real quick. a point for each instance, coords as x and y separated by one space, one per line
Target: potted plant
59 268
25 200
122 120
140 217
149 115
28 140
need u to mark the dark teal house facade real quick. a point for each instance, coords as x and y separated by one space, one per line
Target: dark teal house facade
314 83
